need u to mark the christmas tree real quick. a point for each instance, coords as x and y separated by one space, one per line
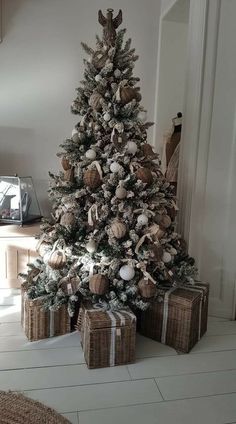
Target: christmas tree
112 235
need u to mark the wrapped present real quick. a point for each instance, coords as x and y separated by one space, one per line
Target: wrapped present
177 318
108 337
40 324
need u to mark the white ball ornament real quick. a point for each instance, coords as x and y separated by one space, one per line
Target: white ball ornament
75 135
142 219
121 193
127 272
107 117
173 251
98 78
166 257
117 73
90 154
91 246
115 167
131 147
142 115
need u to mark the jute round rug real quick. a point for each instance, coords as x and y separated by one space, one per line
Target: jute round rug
18 409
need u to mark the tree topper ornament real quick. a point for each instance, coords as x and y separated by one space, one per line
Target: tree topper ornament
110 25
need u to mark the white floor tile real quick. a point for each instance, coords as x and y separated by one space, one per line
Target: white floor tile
216 319
221 328
215 343
10 329
20 342
41 358
146 348
72 417
9 314
98 396
196 385
183 364
209 410
71 375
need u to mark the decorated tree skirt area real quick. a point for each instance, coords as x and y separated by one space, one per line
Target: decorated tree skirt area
111 246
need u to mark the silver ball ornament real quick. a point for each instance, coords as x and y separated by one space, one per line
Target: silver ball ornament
75 135
142 219
121 193
107 117
127 272
131 147
117 73
115 167
90 154
98 78
91 246
166 257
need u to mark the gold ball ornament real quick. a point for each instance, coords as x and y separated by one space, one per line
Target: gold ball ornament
118 229
145 175
147 288
69 285
163 220
68 219
65 164
95 101
92 178
57 259
98 284
127 94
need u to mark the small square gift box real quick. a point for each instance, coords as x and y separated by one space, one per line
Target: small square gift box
108 337
40 324
177 318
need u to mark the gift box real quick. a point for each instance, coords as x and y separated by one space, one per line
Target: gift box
40 324
178 317
108 337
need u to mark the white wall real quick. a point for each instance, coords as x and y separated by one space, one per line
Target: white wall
172 75
41 65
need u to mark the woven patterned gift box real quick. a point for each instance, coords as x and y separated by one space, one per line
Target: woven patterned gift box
180 319
40 324
108 337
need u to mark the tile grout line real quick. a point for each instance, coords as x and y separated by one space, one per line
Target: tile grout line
159 389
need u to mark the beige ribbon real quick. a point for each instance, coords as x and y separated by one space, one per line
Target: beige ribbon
141 241
165 314
98 166
144 211
52 323
93 209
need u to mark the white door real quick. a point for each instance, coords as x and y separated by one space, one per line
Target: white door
208 174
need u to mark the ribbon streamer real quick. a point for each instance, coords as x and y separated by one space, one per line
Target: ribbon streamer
98 166
141 241
93 209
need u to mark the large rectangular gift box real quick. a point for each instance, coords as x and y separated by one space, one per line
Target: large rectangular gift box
107 337
179 318
40 324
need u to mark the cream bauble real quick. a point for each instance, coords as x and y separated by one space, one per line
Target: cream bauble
90 154
127 272
131 147
115 167
166 257
75 135
107 117
117 73
142 219
121 193
98 78
91 246
173 251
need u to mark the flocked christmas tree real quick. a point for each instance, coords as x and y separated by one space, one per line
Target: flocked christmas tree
112 238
